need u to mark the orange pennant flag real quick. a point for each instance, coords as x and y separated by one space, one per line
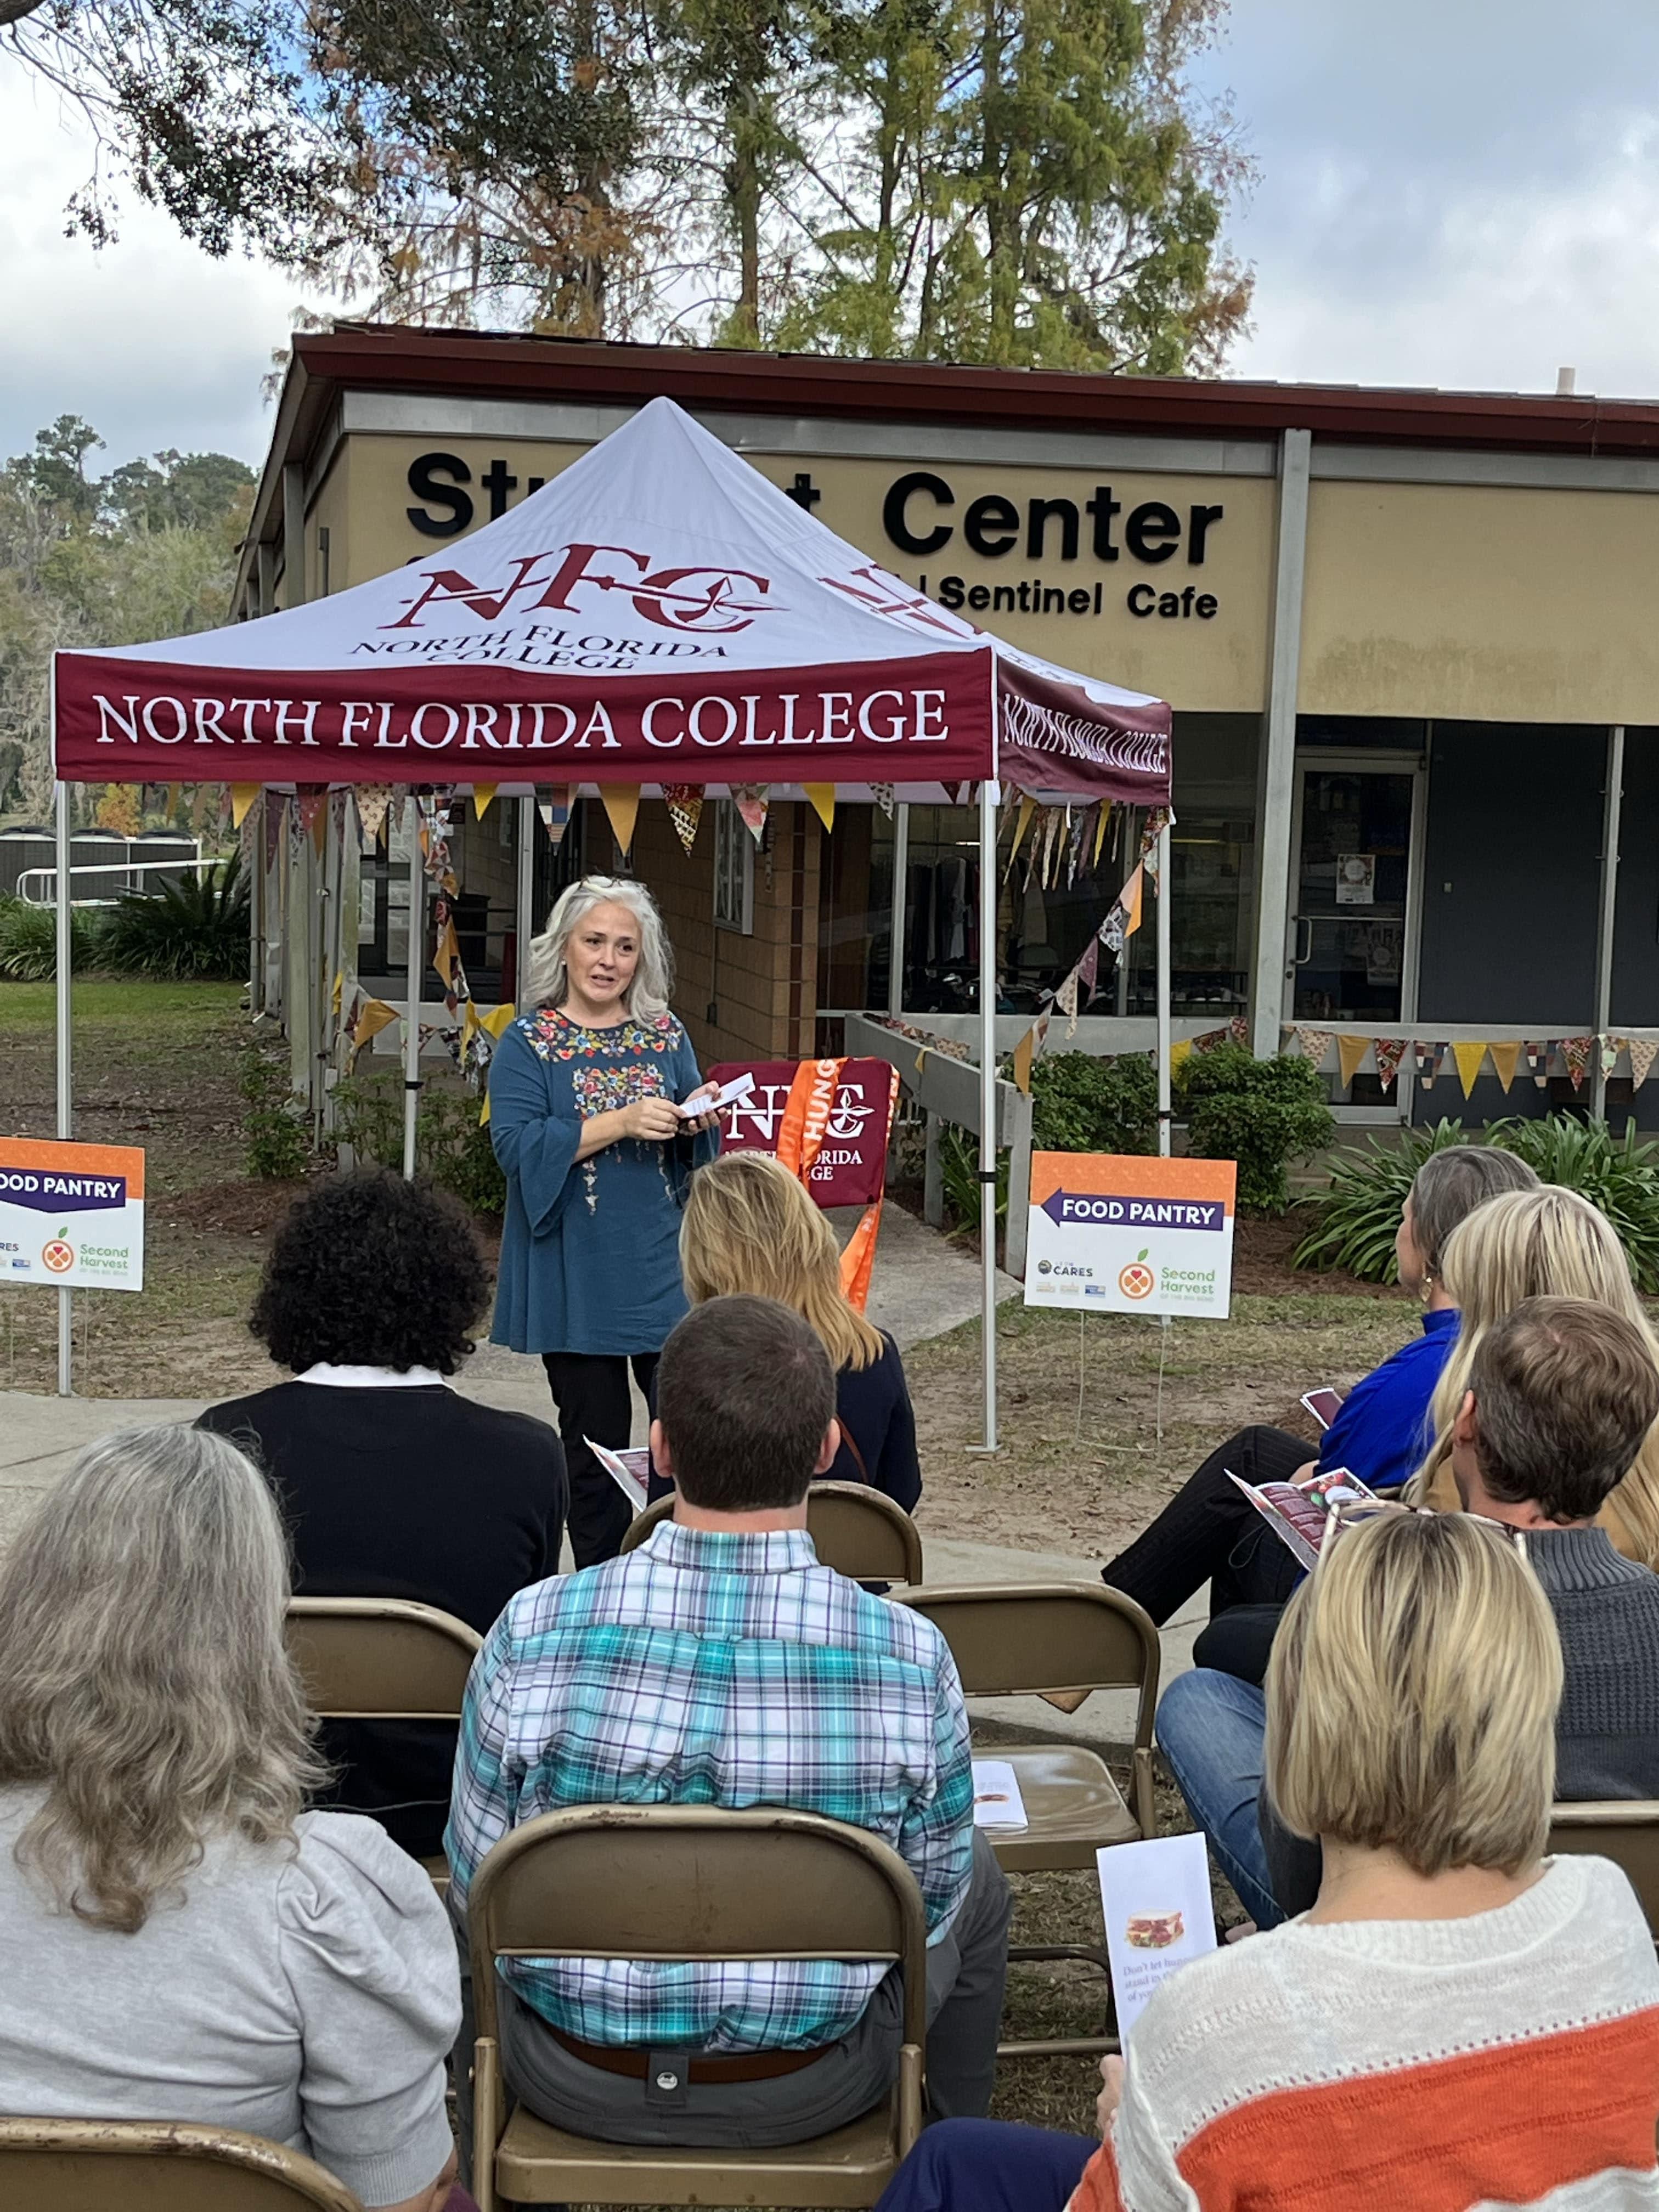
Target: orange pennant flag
1129 900
1349 1051
622 806
1505 1058
1023 1062
1468 1054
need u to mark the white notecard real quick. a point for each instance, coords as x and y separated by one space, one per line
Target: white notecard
1159 1914
997 1801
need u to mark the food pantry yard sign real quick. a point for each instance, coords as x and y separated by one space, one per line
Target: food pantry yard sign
71 1216
1119 1234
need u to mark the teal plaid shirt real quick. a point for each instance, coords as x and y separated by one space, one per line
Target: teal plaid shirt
715 1669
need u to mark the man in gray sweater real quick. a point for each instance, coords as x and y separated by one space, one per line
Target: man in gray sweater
1561 1396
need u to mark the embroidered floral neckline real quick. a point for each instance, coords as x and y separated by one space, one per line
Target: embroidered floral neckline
555 1035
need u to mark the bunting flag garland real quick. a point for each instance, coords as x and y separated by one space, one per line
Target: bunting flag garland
1315 1044
1611 1048
883 795
1051 821
751 803
1027 809
1349 1051
1023 1052
1181 1051
684 804
373 1016
1428 1064
1088 966
1468 1054
483 795
1102 816
1503 1058
308 797
242 796
823 798
1065 999
374 804
621 802
275 810
1539 1052
1575 1054
554 807
487 1033
1641 1051
1390 1052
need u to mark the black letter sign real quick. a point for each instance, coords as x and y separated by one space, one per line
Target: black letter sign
423 481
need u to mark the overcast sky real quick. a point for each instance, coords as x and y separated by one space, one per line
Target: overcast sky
1453 193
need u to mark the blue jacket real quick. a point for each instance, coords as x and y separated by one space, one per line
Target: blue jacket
1383 1430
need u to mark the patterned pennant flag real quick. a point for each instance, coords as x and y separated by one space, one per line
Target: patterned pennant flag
1315 1044
1428 1064
1641 1051
883 795
822 797
1539 1052
1065 999
1390 1052
554 807
621 802
1505 1057
684 804
1469 1053
1088 967
1611 1048
275 809
1349 1051
374 803
751 803
252 836
1575 1054
1052 817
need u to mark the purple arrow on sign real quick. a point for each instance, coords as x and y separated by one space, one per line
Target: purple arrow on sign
1103 1209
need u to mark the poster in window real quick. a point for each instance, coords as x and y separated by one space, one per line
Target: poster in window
1355 879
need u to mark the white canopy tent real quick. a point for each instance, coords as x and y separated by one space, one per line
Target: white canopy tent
659 613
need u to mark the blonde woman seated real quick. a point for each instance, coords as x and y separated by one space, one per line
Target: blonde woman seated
1459 2021
181 1941
750 1226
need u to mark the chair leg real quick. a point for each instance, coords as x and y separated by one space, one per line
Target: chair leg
909 2098
486 2121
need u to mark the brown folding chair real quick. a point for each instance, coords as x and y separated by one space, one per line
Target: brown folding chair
679 1883
1624 1830
382 1659
857 1531
157 2165
1057 1639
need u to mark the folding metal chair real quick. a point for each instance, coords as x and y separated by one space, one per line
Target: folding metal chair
857 1531
157 2165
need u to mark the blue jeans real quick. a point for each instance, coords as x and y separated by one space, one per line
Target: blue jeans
987 2165
1210 1728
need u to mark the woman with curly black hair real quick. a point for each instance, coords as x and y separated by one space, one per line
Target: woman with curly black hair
393 1484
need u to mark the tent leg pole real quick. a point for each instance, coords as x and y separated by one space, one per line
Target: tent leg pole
412 1018
523 904
64 889
1165 1114
1607 913
988 1100
896 933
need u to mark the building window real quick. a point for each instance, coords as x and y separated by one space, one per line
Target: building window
734 870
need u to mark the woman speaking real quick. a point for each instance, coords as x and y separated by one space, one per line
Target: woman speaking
586 1090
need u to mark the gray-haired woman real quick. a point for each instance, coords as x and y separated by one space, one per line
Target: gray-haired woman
585 1091
181 1941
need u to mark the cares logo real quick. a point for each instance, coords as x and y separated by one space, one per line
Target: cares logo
696 598
57 1256
1137 1280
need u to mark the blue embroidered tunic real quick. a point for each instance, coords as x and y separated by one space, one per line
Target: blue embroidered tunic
590 1248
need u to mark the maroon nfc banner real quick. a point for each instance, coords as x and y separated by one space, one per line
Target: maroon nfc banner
851 1166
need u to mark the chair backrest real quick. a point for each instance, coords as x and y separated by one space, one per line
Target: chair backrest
1625 1830
857 1531
157 2165
1038 1639
380 1658
689 1883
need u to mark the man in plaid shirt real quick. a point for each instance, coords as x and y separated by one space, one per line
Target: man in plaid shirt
721 1665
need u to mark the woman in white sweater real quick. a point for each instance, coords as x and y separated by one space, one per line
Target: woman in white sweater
181 1941
1459 2021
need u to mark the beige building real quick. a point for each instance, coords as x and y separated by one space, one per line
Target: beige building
1408 638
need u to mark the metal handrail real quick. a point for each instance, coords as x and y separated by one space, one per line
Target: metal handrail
100 868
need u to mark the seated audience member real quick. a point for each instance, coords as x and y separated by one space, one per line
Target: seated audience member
721 1663
1208 1532
1560 1395
392 1483
749 1226
1458 2021
181 1941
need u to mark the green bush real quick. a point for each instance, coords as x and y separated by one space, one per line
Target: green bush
28 941
1360 1212
958 1160
196 929
1081 1103
1263 1113
273 1133
450 1145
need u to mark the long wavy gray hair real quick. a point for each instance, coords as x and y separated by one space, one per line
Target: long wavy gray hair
653 978
146 1678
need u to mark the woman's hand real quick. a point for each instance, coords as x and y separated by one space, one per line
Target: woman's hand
1111 2095
694 1125
652 1119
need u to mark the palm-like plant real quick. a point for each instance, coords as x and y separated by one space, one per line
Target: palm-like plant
194 929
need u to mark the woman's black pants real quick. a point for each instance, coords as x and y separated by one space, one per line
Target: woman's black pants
590 1389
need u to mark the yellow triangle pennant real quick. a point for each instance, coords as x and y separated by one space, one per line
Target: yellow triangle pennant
1101 820
1027 809
1181 1051
622 805
483 793
1023 1062
1468 1056
1349 1051
1505 1058
495 1021
242 796
822 796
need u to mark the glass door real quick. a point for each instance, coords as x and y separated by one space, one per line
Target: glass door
1353 952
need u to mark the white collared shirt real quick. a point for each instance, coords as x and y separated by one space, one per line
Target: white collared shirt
374 1378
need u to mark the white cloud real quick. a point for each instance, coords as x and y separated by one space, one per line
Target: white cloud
152 341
